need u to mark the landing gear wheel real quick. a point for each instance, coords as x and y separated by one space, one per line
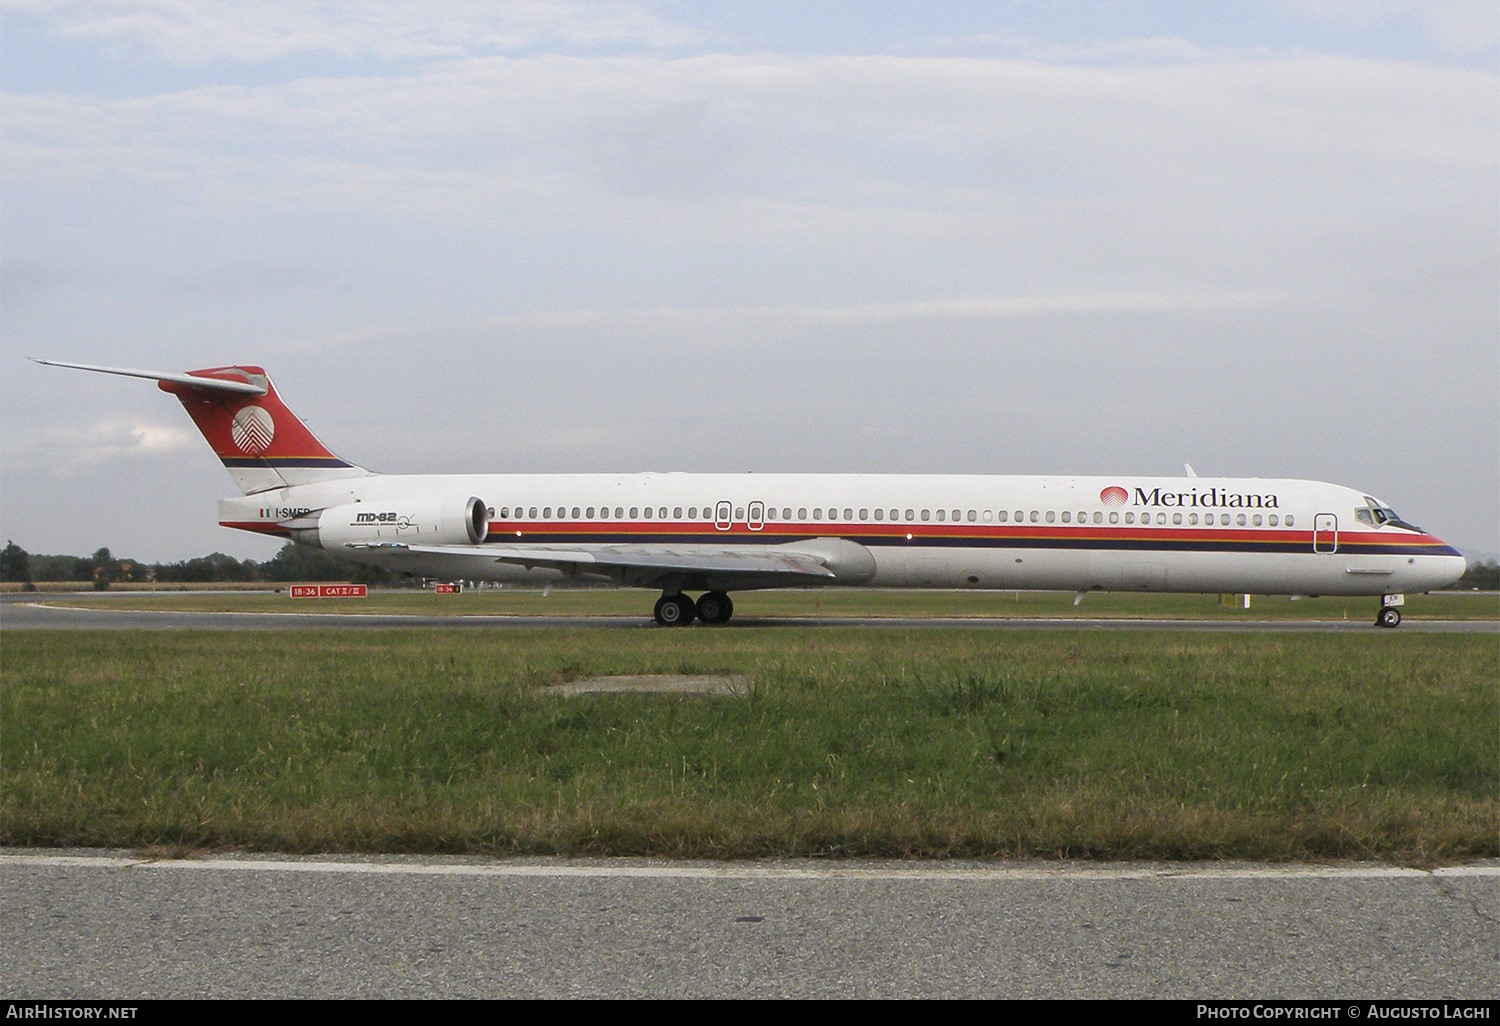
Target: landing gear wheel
674 611
715 608
1389 616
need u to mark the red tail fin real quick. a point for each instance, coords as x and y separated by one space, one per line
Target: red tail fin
262 443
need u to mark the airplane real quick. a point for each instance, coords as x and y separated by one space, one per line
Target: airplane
719 533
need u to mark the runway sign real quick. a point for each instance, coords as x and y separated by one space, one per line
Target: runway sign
328 591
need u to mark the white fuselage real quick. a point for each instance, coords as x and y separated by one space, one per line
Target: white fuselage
1123 533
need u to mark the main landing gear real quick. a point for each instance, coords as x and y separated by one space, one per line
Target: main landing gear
679 610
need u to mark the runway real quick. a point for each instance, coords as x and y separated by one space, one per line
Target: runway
113 925
31 613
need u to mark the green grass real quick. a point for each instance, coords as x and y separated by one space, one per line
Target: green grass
851 602
850 742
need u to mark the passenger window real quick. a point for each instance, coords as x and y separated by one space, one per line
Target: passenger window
926 514
802 513
972 516
620 512
848 514
1098 518
1240 520
1036 517
880 514
1067 517
988 516
1161 518
504 512
739 513
1255 520
1114 517
648 512
1051 517
864 514
1130 518
1176 518
1192 518
1004 515
1289 521
911 514
818 513
603 512
635 511
942 515
1271 520
577 513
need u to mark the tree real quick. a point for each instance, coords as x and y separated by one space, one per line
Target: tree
106 569
302 563
15 565
1480 577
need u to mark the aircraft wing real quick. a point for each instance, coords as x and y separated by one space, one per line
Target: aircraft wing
687 566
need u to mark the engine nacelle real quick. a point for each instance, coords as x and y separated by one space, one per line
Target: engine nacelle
450 521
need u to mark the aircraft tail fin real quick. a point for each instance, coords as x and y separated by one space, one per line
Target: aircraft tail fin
261 442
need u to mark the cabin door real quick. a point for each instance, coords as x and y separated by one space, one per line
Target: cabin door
1325 533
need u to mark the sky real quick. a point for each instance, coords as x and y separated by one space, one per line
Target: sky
954 237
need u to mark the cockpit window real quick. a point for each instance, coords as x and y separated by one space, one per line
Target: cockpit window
1378 514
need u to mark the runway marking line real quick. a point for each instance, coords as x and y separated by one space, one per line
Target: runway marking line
820 620
756 871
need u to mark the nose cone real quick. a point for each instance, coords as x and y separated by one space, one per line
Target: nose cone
1455 567
1439 570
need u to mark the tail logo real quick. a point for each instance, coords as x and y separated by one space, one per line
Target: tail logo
252 430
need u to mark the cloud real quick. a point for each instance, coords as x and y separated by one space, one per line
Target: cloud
70 448
199 31
577 137
1156 48
1461 27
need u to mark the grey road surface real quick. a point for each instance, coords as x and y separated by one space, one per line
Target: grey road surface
38 614
108 925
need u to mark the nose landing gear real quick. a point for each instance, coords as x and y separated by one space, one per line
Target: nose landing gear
1389 615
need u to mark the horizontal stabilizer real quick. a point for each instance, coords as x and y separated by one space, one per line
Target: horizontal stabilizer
212 384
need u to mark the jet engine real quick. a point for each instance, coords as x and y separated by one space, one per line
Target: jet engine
450 521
